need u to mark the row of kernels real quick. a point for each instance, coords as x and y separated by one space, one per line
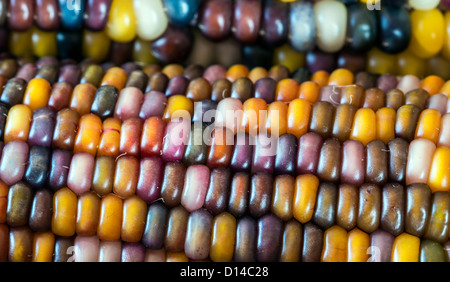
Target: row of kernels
417 211
176 193
424 165
94 44
223 238
326 204
46 247
358 246
342 122
131 102
179 84
261 198
119 26
22 14
220 152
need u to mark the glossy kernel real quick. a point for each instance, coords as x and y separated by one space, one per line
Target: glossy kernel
406 121
347 206
134 215
432 84
283 194
173 182
376 162
428 126
417 97
42 127
239 194
88 212
276 122
178 106
43 246
110 138
115 76
420 157
309 147
364 126
358 246
353 95
81 171
353 163
41 211
88 135
18 123
103 176
14 156
82 97
385 124
216 198
126 176
175 234
309 90
341 77
343 121
437 227
37 93
254 115
261 188
269 237
427 32
121 25
64 212
152 137
393 208
130 137
64 136
431 251
369 208
104 101
4 189
292 242
439 176
335 245
20 244
20 197
305 193
198 234
313 237
287 90
223 237
237 71
298 117
406 248
398 157
322 117
155 226
110 222
325 211
195 187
